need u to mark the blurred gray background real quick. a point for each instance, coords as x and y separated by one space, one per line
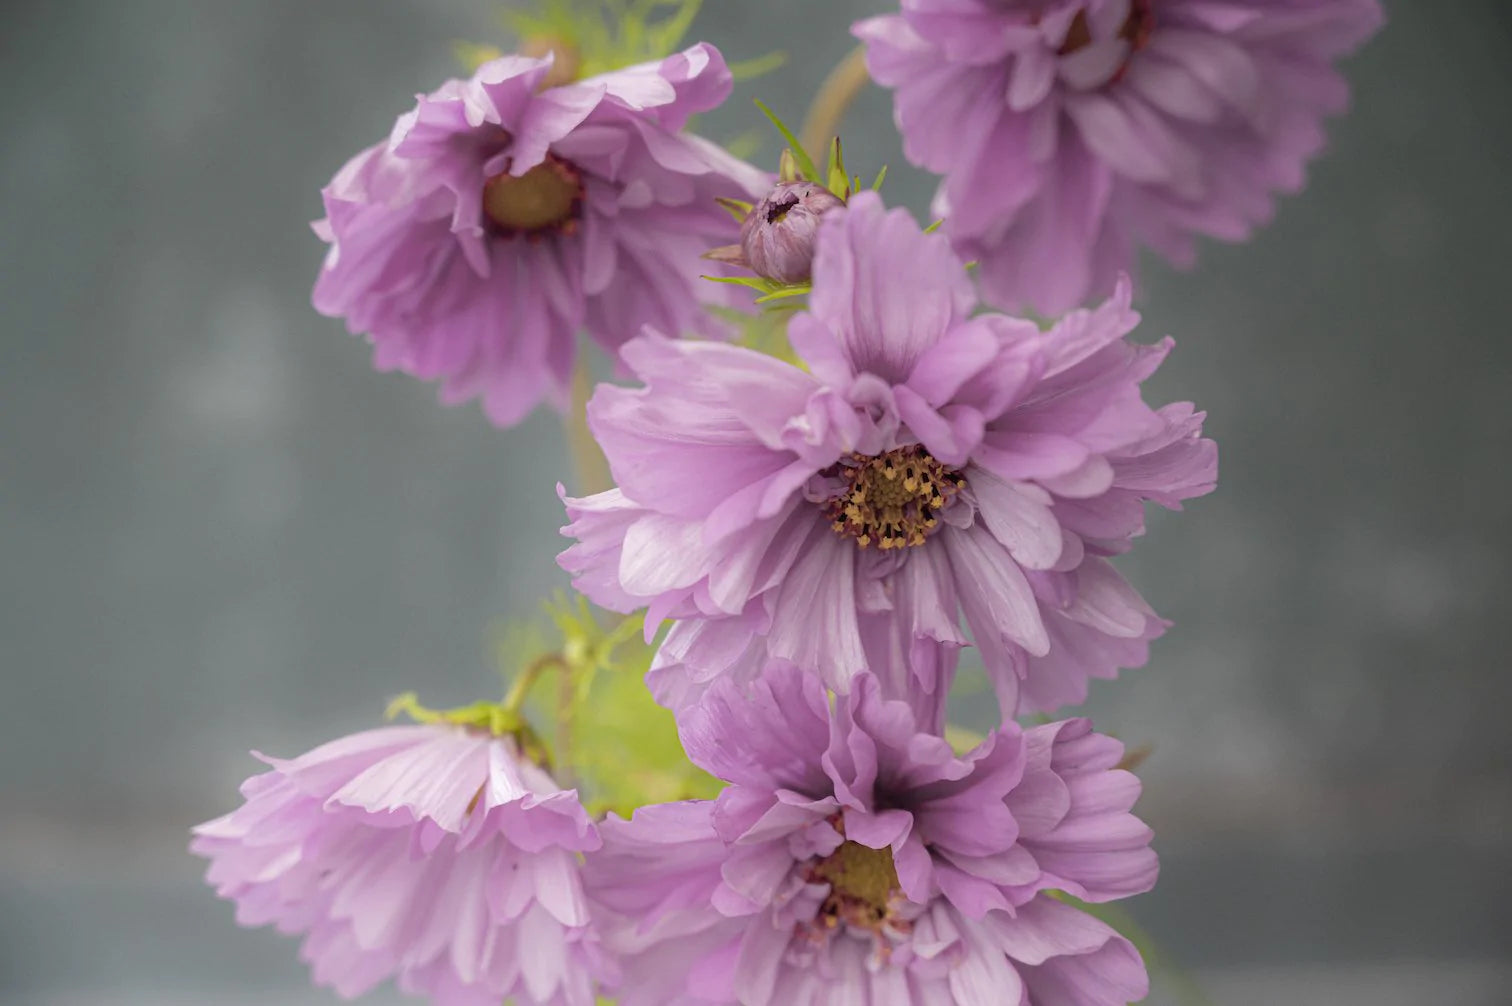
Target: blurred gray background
220 530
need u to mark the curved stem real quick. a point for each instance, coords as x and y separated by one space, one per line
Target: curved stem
527 679
835 96
565 714
590 469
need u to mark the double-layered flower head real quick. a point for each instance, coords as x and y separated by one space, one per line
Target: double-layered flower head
927 465
1070 132
500 219
857 859
434 854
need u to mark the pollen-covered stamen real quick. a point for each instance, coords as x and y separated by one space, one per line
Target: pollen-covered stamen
863 882
548 198
864 895
864 888
893 499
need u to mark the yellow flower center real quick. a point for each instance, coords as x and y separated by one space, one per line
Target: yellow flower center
548 197
893 499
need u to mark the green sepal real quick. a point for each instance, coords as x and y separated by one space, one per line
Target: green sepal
738 208
754 282
881 177
784 292
787 167
490 716
769 291
838 181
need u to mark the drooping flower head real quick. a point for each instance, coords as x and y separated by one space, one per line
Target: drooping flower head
1071 132
433 854
499 219
857 859
927 466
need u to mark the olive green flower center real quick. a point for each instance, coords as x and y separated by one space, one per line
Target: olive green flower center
547 198
863 882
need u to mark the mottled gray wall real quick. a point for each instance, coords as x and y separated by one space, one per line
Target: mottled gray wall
220 530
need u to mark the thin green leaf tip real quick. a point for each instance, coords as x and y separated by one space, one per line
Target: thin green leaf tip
805 162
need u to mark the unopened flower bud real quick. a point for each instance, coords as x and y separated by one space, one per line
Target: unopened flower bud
777 237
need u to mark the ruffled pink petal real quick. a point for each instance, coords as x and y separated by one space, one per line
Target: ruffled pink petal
387 850
1067 141
777 729
884 326
415 266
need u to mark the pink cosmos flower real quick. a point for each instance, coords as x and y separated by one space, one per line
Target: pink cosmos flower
928 465
857 859
500 218
1070 132
433 854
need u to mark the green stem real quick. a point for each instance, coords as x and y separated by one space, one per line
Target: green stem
590 469
527 678
566 707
